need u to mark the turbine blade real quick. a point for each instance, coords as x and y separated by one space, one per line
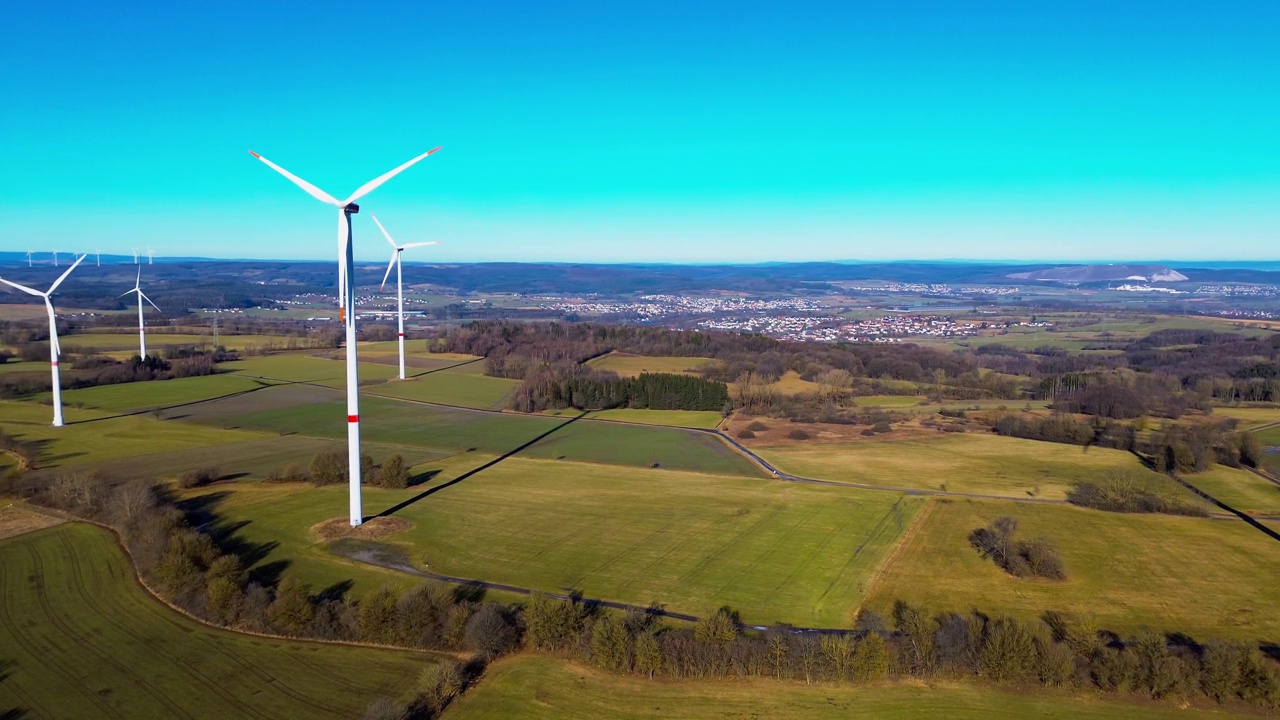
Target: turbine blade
422 244
58 282
394 254
342 259
385 234
23 288
368 187
144 297
137 284
126 292
311 190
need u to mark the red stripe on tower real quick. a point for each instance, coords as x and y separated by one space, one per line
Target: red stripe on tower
353 418
54 363
401 334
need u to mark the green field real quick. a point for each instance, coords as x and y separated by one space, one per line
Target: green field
317 411
156 339
961 462
80 639
91 436
665 418
307 368
450 388
888 401
1270 437
128 397
775 551
1250 416
1240 489
628 365
1205 577
531 686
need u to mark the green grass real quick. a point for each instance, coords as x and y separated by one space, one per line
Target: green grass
1270 437
532 686
1201 576
1240 489
888 401
156 339
304 367
450 388
631 365
962 462
85 641
318 412
670 418
1250 416
128 397
775 551
91 436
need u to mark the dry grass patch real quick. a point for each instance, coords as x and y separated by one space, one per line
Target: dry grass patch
16 520
379 527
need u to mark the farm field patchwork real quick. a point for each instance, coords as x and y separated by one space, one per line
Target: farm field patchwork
1201 576
84 640
530 686
957 462
128 397
310 410
775 551
157 339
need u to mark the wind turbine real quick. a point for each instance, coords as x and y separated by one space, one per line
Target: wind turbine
346 309
98 254
28 258
54 349
55 258
142 329
395 261
135 256
151 258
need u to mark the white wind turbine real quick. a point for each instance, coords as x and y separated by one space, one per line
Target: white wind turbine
54 349
151 257
135 256
28 258
395 261
346 309
55 258
142 328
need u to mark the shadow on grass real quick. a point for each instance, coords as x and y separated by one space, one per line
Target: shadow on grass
442 369
200 512
471 473
159 410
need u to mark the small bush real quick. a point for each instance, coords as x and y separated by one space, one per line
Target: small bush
198 478
798 434
329 468
757 426
882 427
745 434
1020 558
867 432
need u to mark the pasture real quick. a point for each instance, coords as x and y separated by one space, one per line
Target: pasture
157 338
132 397
956 462
532 686
449 388
1250 417
775 551
628 365
1201 576
92 436
79 638
316 411
1238 488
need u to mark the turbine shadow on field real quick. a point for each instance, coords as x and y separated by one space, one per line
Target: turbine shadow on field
441 369
470 473
200 512
160 409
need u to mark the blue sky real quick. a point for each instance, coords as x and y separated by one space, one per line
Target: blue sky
681 131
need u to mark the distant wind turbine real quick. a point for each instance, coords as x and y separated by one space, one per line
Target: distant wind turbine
98 253
55 258
135 256
151 258
142 328
395 262
28 258
54 348
346 309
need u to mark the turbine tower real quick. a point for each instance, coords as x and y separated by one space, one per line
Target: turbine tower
151 258
28 258
54 349
135 256
395 261
142 328
55 258
346 309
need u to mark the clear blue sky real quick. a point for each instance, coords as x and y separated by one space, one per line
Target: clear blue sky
654 131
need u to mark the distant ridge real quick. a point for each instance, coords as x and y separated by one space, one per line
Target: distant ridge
1079 274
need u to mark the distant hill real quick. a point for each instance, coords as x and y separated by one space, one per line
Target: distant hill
1080 274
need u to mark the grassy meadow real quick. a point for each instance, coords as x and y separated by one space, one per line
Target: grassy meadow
530 686
1238 488
628 365
1201 576
81 639
957 462
450 388
775 551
